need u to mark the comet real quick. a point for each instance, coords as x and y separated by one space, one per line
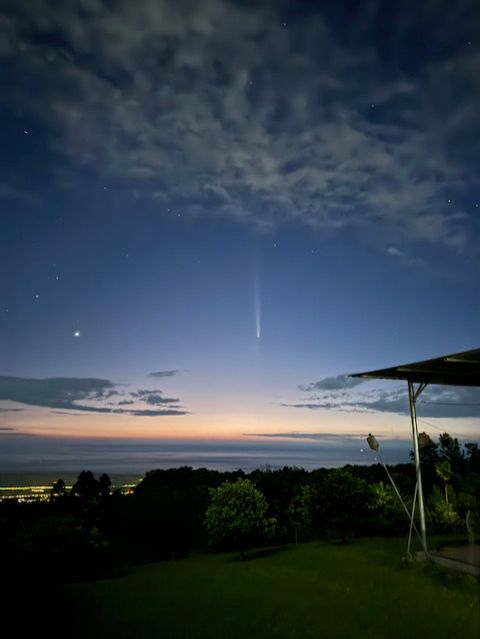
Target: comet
258 314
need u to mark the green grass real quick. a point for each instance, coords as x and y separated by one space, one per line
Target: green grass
312 590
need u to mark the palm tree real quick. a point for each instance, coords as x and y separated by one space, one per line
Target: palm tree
444 471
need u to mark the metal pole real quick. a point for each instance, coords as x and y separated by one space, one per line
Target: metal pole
412 522
412 397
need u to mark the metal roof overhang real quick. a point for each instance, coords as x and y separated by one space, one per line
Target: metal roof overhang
459 369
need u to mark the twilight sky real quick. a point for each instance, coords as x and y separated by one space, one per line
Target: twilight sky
212 211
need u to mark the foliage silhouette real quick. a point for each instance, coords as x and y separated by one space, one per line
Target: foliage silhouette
236 514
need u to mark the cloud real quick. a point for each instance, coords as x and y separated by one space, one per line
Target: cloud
160 374
54 392
69 413
391 250
136 412
435 401
324 437
14 194
105 394
12 432
10 410
157 413
84 395
403 257
333 383
153 397
222 110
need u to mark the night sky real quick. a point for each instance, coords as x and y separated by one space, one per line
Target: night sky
211 212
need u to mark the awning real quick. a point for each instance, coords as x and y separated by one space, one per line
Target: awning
459 369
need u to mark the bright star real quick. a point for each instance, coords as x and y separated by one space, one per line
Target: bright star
76 334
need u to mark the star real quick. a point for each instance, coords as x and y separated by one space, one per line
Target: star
76 334
37 297
25 131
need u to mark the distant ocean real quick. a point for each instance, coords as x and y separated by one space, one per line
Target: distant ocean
22 455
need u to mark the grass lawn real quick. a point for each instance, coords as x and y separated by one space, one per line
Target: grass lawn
311 590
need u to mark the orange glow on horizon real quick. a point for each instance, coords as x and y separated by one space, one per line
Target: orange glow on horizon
209 427
223 425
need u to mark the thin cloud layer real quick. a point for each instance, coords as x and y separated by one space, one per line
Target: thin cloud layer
332 383
161 374
86 395
323 437
13 432
435 401
218 109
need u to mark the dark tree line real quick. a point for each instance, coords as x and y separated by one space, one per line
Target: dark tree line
92 531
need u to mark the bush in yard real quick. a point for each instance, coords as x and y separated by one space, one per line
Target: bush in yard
337 505
236 515
442 514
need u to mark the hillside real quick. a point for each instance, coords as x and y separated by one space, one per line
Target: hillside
311 590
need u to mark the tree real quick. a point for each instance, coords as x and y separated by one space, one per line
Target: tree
337 504
472 457
429 458
442 514
295 515
449 450
428 453
382 495
444 471
104 484
86 486
58 489
236 514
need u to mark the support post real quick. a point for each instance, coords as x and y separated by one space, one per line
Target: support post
412 397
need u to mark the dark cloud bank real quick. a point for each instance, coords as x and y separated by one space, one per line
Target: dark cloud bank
267 113
87 395
337 393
